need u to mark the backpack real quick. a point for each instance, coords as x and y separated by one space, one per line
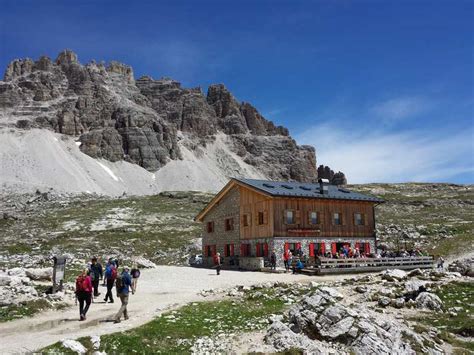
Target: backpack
119 284
114 273
80 284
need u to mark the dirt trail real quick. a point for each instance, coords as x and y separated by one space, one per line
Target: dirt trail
158 290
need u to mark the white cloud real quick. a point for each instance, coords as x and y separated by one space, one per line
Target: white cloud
401 108
383 156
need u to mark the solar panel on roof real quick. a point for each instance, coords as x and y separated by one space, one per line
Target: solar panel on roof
305 188
345 191
268 185
287 187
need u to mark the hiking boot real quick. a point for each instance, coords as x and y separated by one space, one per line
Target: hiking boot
117 321
82 317
111 301
126 317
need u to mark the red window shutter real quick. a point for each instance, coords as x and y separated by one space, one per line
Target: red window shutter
232 250
333 248
242 250
265 251
287 247
322 247
367 248
298 246
311 249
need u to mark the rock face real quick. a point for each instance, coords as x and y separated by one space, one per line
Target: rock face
321 321
115 117
463 266
325 172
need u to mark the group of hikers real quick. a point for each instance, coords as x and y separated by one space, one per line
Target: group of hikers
87 285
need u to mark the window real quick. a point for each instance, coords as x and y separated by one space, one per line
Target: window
260 218
229 250
337 219
246 220
210 227
261 249
317 249
290 217
245 249
314 218
359 219
229 224
210 250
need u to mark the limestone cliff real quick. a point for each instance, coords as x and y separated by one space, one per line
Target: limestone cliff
145 122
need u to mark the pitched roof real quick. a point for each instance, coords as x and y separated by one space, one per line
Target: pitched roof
288 189
305 190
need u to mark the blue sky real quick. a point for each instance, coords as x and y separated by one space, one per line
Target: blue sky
382 89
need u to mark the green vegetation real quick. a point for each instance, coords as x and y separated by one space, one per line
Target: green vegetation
441 212
27 310
162 226
458 317
174 332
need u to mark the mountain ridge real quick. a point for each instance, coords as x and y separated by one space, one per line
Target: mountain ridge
147 122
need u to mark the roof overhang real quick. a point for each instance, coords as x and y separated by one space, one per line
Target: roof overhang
220 195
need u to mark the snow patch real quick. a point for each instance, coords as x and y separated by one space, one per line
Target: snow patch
110 172
74 345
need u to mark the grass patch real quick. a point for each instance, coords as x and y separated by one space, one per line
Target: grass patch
174 332
27 310
159 227
459 295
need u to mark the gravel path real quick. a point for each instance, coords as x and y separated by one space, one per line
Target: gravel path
158 289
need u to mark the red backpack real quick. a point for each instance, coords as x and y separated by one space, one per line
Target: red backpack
81 284
114 273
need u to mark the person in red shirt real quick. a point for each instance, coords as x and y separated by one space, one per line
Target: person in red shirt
286 259
84 293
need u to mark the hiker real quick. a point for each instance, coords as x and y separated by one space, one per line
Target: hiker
218 263
135 272
110 276
122 284
84 293
440 263
96 275
298 266
273 260
286 258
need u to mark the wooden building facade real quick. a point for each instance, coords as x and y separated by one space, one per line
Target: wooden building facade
250 218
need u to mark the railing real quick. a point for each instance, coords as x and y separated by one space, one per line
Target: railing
328 265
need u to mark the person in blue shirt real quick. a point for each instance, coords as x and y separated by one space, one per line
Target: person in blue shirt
122 292
298 267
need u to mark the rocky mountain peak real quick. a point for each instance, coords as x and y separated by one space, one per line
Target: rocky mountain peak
122 69
67 57
325 172
146 121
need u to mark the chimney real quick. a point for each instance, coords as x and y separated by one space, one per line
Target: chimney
323 186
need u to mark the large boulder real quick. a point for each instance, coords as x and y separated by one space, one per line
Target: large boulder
429 301
463 266
343 329
282 338
45 274
394 275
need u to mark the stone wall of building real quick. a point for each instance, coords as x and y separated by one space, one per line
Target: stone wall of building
251 263
228 207
278 244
